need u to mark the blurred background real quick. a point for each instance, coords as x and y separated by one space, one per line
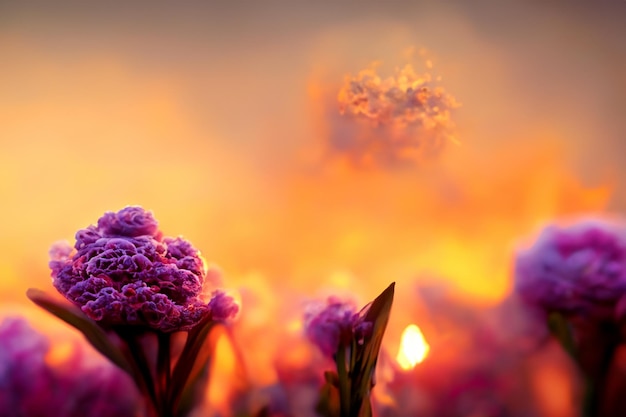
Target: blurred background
213 114
205 113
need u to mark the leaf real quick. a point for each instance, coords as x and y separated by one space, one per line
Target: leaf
329 402
193 359
367 354
366 409
73 316
199 378
194 390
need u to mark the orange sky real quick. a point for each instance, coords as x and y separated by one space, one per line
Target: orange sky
213 118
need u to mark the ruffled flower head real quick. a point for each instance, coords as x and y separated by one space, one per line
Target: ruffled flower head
575 270
334 324
124 272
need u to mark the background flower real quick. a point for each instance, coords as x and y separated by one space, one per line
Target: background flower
400 119
31 385
333 323
578 269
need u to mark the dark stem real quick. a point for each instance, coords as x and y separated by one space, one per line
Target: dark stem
142 367
164 374
596 376
595 387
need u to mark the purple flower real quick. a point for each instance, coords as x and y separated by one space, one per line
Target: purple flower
129 222
222 306
333 324
30 386
123 271
22 357
580 269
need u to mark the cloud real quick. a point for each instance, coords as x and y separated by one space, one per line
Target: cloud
400 119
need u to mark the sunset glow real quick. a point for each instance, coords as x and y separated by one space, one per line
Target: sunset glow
413 348
310 149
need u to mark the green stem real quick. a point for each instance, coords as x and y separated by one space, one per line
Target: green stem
344 382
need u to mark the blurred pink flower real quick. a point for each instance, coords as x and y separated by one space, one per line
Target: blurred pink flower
30 387
333 324
575 270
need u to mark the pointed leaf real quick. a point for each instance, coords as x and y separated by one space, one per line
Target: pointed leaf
378 313
200 375
367 354
73 316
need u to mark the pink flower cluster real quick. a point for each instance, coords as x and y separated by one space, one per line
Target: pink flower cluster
123 271
575 270
334 324
29 386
